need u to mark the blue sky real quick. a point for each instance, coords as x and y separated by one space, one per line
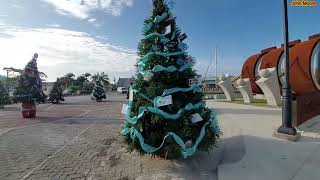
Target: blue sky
70 37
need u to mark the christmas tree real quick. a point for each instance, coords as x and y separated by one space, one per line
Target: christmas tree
98 92
56 94
29 87
4 96
166 114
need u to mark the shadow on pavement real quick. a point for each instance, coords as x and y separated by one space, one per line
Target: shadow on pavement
272 158
203 165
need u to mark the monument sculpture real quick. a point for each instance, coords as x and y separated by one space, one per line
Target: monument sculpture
226 85
268 82
244 86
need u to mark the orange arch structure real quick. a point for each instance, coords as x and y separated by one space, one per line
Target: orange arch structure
249 69
302 79
300 59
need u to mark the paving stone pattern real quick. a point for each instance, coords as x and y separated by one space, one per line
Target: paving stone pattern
88 147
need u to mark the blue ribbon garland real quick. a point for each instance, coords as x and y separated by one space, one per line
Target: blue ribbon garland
163 39
147 57
159 68
142 110
195 88
186 152
156 20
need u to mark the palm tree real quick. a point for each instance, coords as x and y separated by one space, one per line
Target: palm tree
102 77
68 79
86 75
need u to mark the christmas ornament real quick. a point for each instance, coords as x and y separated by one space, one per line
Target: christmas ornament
168 30
189 143
196 118
191 60
163 101
194 81
148 76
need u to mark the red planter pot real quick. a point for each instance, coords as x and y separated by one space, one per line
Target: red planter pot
28 110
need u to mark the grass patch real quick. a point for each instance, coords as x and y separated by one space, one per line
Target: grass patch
256 102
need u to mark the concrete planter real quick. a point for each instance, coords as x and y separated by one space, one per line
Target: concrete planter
28 109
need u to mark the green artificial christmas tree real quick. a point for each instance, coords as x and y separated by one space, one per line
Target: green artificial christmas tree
98 92
166 114
29 89
56 94
4 96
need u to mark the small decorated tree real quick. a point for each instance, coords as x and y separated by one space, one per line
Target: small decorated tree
98 92
29 89
56 94
4 96
166 114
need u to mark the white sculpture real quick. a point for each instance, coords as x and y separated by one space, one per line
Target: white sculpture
226 85
269 85
244 86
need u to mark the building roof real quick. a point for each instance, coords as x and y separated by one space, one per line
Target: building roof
124 82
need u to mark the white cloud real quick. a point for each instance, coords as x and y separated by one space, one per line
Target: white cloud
76 8
92 20
62 51
16 6
54 25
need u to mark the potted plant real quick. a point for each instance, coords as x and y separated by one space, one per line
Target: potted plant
29 90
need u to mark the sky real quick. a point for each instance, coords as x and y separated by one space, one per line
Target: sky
102 35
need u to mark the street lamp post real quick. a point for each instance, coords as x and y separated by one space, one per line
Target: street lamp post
286 127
